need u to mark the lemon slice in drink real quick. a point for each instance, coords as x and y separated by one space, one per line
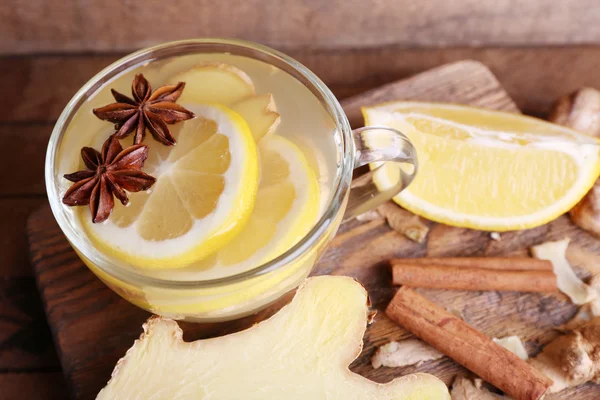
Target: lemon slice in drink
486 169
225 84
286 208
204 194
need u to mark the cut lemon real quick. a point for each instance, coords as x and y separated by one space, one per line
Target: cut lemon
225 84
204 194
286 208
214 83
486 169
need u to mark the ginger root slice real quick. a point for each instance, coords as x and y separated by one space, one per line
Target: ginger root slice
302 352
572 359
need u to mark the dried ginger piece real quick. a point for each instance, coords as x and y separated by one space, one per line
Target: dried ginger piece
370 215
465 389
572 359
403 353
404 222
580 110
514 345
567 281
586 214
587 311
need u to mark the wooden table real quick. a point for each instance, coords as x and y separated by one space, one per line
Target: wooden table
539 51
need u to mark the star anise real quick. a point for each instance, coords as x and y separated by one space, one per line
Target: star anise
147 109
109 173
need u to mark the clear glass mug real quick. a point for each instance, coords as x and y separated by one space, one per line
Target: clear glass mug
248 292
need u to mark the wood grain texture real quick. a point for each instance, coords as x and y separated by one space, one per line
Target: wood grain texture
25 340
13 243
439 84
533 77
70 25
23 154
32 386
93 327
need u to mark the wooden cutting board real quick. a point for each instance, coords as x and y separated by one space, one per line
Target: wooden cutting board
93 327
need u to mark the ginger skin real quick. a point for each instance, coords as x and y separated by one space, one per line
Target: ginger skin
580 111
572 359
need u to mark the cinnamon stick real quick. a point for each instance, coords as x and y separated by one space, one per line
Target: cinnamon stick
466 345
461 278
502 263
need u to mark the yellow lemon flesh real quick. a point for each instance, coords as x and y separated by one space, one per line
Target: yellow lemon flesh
286 208
204 194
486 169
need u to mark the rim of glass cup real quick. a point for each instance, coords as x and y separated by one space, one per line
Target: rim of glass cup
341 184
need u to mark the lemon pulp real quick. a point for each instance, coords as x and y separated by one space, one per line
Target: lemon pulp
286 207
204 194
485 169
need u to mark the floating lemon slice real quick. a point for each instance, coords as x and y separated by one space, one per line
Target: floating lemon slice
286 208
204 194
225 84
486 169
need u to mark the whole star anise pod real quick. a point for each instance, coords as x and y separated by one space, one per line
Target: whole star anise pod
147 109
109 173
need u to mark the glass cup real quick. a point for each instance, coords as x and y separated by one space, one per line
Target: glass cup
248 292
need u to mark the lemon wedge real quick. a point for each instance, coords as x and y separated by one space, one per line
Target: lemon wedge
204 194
486 169
286 208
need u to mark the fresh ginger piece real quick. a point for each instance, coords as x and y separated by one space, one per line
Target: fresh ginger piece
302 352
260 113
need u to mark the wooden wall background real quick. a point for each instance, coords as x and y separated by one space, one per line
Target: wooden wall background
539 49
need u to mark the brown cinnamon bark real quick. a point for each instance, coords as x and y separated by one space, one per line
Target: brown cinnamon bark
466 345
462 278
502 263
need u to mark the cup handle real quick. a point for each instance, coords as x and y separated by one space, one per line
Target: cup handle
380 145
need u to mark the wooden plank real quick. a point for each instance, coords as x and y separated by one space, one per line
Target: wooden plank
438 84
318 24
38 88
94 327
534 78
23 157
13 243
25 339
33 386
